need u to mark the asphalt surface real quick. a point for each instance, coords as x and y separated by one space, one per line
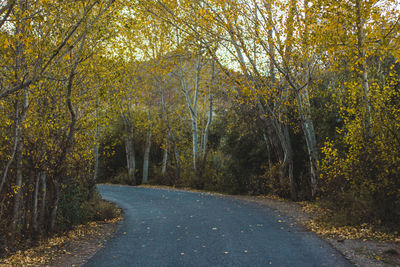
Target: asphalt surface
177 228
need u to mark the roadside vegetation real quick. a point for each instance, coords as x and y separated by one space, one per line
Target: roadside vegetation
299 99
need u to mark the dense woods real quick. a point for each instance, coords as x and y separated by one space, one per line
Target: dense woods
295 98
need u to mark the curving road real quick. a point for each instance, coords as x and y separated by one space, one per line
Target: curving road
177 228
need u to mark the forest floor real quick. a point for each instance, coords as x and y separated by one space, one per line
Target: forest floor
71 248
361 245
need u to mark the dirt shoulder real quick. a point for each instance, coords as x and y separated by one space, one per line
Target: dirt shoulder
77 252
72 248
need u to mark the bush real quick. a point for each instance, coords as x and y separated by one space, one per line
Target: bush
69 211
74 208
361 177
98 209
267 183
122 178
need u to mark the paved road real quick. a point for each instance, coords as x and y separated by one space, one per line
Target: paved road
176 228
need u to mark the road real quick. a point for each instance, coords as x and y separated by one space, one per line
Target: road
164 227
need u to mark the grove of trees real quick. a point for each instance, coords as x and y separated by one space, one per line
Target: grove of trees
298 98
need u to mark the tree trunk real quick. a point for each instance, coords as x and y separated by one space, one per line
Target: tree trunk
267 142
278 127
54 207
177 159
206 132
19 172
18 195
304 108
165 156
43 198
165 118
20 67
146 158
210 119
130 157
363 66
193 111
92 182
195 142
289 156
285 153
35 205
14 149
129 150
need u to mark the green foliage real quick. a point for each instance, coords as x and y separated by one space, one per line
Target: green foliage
70 206
268 183
68 83
361 167
97 209
74 207
120 177
222 175
112 158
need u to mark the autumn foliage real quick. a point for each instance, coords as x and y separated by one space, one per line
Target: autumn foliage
295 98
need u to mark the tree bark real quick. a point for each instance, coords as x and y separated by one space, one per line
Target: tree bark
92 182
165 156
54 206
363 66
130 155
210 119
14 149
307 124
21 108
177 158
35 205
43 198
146 158
193 111
18 195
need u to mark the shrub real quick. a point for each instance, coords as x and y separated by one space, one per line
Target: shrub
98 210
121 178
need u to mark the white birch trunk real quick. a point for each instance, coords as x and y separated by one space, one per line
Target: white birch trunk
283 137
210 118
307 124
166 148
193 112
130 157
165 157
92 182
146 158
